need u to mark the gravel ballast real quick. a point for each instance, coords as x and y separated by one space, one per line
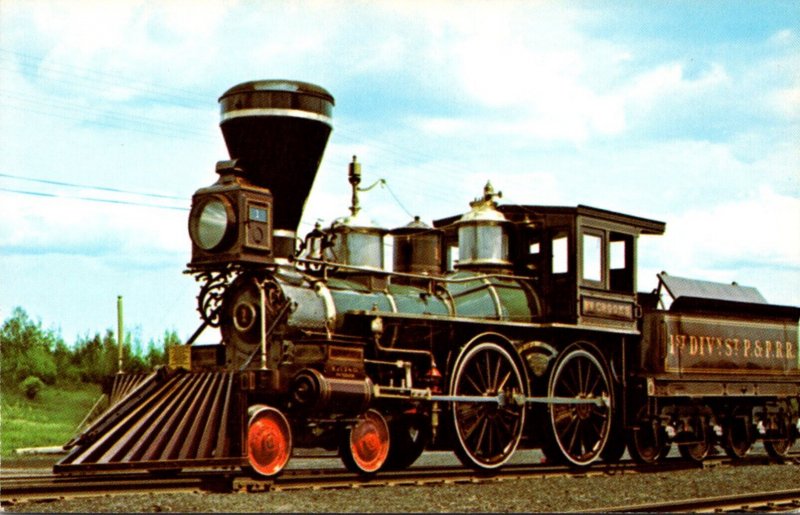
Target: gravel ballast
546 494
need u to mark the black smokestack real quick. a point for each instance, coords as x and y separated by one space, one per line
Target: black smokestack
278 130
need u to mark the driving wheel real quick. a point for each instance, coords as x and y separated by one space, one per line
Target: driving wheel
580 432
487 433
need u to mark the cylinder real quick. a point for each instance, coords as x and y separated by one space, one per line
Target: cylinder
312 391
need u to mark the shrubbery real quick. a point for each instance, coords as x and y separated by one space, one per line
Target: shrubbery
31 386
30 354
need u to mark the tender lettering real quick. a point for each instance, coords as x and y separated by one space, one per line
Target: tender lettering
754 350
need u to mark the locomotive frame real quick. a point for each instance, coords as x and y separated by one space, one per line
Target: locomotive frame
507 326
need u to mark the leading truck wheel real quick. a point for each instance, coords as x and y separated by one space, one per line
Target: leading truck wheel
269 441
487 432
366 444
580 432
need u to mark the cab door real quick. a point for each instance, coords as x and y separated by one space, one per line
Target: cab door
561 276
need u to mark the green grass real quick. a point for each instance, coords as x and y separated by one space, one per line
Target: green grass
50 420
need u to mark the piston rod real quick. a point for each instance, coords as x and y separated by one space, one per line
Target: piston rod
500 399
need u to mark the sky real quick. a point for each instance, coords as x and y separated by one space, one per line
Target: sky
683 112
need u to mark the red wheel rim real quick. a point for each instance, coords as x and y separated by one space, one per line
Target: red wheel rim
369 441
269 441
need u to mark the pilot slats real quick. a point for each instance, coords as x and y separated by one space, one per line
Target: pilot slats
181 422
123 385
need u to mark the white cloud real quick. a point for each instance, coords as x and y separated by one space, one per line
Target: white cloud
42 225
141 42
759 230
786 102
546 100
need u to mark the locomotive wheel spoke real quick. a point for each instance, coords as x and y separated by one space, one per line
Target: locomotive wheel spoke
579 373
481 435
471 421
594 387
489 382
574 432
487 433
475 388
580 431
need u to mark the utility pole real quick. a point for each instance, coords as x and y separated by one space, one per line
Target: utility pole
119 331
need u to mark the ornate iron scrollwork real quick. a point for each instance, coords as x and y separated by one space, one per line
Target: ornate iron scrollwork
212 293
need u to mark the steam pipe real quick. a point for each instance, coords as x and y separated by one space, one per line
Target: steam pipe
263 298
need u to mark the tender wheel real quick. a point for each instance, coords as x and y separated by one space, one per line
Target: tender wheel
780 440
365 446
778 448
269 441
648 442
409 435
487 433
580 432
736 438
697 450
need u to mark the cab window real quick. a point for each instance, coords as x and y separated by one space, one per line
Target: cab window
560 262
592 257
621 273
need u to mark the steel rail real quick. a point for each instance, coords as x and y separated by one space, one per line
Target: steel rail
779 500
18 488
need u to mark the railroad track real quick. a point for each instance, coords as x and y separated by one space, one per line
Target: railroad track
303 479
20 488
760 502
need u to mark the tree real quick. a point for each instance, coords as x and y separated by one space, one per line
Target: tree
158 352
26 349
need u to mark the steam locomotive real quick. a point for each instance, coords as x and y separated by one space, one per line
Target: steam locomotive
506 327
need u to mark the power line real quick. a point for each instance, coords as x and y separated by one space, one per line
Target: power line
91 199
71 111
101 188
93 78
97 81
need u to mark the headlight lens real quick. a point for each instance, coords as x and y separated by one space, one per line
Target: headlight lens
212 222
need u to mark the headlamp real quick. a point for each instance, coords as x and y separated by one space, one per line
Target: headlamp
212 223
